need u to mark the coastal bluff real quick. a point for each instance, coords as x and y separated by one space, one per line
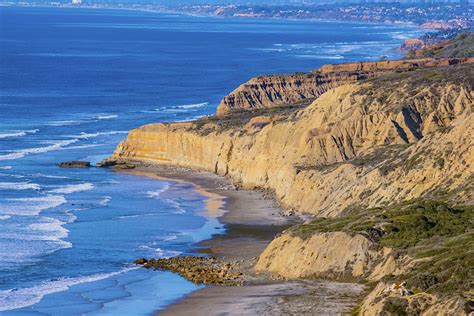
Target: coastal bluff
358 144
384 163
277 90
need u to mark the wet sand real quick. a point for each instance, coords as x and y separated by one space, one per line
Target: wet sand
252 221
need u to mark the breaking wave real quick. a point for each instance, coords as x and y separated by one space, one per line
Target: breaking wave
23 297
73 188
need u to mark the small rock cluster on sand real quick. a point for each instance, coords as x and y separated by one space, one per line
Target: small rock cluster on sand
200 270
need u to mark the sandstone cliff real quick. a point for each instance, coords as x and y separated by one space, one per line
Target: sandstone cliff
353 157
296 257
277 90
359 144
421 252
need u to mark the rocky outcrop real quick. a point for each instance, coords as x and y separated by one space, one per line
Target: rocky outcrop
295 257
396 299
359 144
412 44
200 270
335 255
74 164
278 90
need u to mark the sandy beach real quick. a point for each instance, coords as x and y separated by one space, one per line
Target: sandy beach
252 220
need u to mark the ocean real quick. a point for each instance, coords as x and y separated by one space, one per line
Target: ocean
73 82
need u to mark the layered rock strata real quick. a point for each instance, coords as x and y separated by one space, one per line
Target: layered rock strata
358 144
278 90
394 138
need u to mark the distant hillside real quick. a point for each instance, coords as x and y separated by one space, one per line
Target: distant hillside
460 46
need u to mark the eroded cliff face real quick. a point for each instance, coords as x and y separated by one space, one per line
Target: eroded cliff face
386 297
358 144
390 139
294 257
277 90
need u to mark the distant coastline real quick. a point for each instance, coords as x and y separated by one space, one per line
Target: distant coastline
196 12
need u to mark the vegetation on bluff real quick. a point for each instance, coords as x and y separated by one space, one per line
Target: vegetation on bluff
437 235
459 47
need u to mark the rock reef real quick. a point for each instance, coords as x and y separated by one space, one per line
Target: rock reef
74 164
200 270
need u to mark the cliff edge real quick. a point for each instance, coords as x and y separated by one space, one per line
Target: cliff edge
358 144
385 164
277 90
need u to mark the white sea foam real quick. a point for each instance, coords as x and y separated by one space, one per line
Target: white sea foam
42 175
50 228
19 186
4 217
54 145
12 156
17 176
83 146
191 118
157 193
106 116
12 134
309 56
176 206
73 188
7 134
171 237
93 135
65 122
192 106
400 36
178 108
30 206
23 297
6 167
92 119
135 215
161 253
334 51
166 253
105 200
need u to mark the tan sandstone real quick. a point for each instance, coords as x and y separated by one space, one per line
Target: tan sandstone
347 148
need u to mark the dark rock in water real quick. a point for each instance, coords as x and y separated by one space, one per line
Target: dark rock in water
140 261
74 164
106 163
124 166
118 164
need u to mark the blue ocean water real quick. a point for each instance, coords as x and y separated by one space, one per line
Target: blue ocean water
72 83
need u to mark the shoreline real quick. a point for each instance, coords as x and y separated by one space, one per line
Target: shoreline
252 221
190 14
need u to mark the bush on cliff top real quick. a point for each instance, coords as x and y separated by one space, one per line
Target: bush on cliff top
402 226
433 231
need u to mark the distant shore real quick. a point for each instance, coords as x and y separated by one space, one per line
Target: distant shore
252 221
201 15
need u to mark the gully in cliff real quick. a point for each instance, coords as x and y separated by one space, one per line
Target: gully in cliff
386 172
